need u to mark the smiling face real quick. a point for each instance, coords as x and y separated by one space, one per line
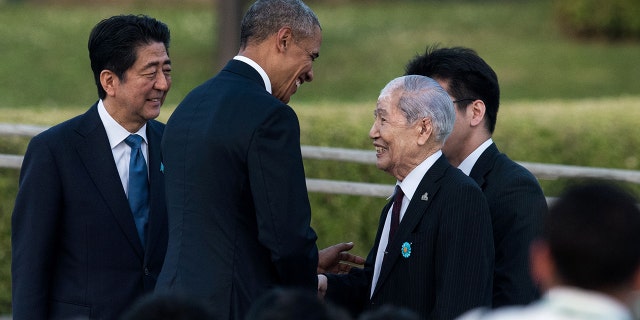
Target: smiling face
138 96
297 66
397 142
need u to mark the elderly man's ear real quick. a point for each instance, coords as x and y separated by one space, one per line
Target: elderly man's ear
425 129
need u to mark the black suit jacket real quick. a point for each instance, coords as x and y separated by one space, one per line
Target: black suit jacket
239 213
517 205
450 267
75 249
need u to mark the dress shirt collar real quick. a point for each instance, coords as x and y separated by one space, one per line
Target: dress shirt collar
583 304
115 132
412 180
468 163
263 74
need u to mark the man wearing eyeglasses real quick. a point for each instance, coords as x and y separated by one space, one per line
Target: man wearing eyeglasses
515 198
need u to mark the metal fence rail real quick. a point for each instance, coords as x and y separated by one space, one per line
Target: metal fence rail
540 170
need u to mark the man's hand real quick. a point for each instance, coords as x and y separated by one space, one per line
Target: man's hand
336 259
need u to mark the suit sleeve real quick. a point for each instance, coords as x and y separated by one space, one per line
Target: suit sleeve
351 291
279 189
464 255
33 232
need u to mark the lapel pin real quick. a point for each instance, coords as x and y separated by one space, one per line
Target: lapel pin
161 167
425 196
406 250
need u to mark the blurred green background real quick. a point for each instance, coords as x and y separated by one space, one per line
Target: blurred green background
565 100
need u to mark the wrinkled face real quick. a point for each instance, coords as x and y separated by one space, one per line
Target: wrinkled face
297 67
139 95
395 140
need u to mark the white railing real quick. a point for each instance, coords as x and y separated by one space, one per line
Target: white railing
540 170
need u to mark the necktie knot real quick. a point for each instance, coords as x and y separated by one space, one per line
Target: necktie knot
134 141
398 195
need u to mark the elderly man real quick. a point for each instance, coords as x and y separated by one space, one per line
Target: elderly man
433 252
515 198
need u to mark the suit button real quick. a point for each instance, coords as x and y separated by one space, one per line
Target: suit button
146 271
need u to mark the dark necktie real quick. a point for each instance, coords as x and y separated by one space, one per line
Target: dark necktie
395 212
138 185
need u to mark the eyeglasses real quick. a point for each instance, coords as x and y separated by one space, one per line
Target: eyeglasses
465 99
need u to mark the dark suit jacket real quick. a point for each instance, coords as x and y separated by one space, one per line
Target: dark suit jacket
517 205
450 267
75 249
239 214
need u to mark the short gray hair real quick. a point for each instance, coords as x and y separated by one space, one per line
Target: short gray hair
423 97
266 17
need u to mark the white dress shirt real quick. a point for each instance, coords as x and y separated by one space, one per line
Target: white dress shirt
263 74
121 151
559 303
408 186
467 164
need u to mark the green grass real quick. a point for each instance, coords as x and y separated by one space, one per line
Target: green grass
46 61
564 101
364 46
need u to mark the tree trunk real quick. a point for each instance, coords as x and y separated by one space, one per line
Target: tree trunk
230 14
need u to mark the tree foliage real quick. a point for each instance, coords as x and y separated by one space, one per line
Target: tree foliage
609 19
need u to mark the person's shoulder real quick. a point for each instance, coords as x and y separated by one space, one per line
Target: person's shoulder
506 168
156 125
505 313
459 178
60 129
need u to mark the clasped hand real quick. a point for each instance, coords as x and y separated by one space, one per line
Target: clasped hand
336 259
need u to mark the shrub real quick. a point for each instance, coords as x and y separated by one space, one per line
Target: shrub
611 19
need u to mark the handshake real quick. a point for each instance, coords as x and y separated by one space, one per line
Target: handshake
335 259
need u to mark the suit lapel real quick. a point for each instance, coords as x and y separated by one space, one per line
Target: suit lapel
417 208
157 207
484 164
101 167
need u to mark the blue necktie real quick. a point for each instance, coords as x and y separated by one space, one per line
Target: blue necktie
138 185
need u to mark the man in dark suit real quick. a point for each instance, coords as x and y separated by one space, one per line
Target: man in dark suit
515 198
79 249
433 252
239 214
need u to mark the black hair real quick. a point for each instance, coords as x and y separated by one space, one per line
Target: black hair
168 307
113 43
293 304
593 234
468 77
